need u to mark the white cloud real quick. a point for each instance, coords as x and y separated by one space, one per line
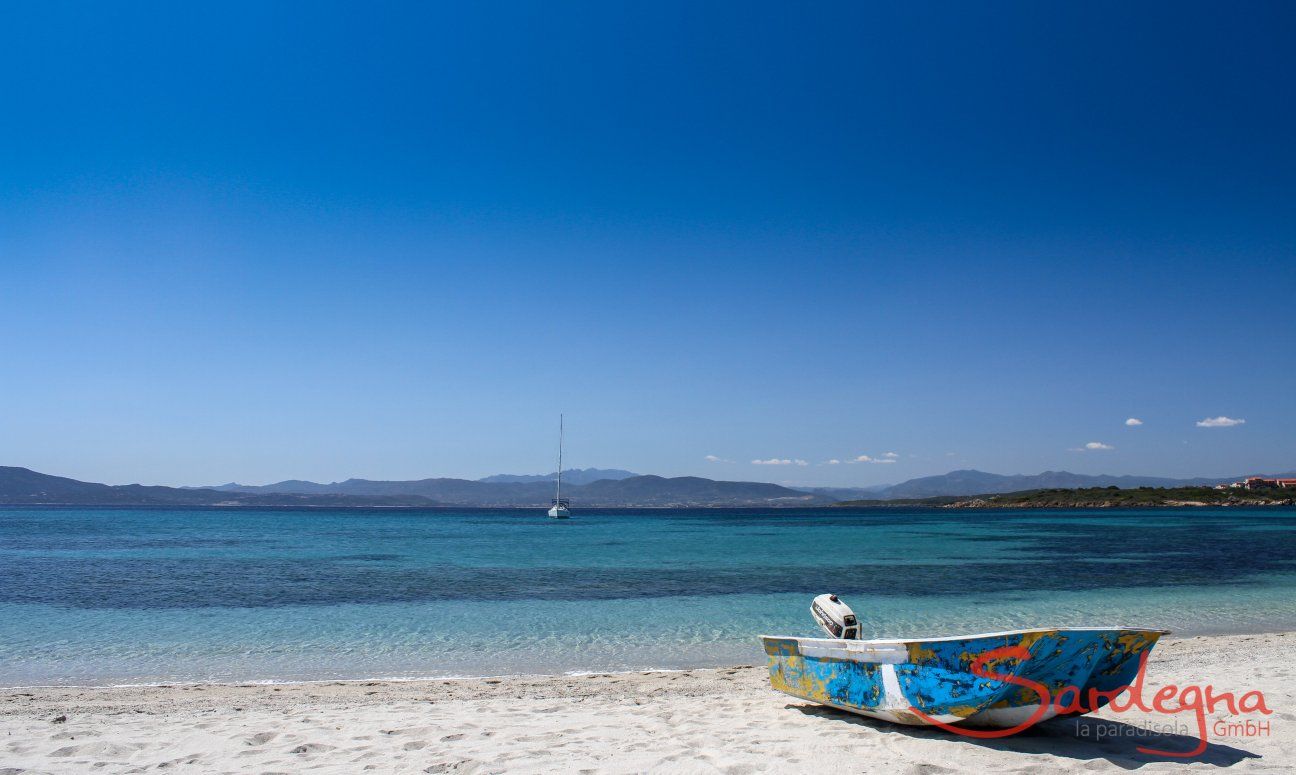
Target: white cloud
1219 422
833 462
867 459
1092 446
715 459
775 461
1133 421
890 454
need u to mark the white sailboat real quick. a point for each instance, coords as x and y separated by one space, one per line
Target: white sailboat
560 508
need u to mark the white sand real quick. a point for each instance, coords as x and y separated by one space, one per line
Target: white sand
725 720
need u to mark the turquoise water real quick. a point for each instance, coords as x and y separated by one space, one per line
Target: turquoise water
147 595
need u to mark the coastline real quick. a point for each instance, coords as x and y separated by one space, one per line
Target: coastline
725 719
107 684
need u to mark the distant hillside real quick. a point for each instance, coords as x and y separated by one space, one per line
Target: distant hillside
21 486
970 482
1100 498
458 492
845 493
691 491
1113 497
628 491
288 485
570 476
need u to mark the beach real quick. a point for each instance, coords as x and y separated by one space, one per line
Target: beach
704 720
288 641
417 387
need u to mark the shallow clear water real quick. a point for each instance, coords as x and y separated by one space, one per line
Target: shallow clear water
145 595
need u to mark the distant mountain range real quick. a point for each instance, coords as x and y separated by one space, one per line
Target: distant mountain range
21 486
570 476
845 493
629 490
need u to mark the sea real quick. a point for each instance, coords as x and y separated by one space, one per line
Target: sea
95 596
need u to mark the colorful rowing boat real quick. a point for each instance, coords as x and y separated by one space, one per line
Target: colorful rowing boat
989 680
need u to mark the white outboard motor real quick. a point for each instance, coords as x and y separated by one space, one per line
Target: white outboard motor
835 617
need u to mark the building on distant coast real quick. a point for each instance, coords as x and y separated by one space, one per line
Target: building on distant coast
1261 483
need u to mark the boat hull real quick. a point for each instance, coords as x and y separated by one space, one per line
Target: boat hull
890 679
558 512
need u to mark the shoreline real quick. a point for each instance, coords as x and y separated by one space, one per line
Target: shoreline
370 679
1173 636
726 719
961 502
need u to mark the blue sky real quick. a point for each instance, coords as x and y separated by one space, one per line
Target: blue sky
259 241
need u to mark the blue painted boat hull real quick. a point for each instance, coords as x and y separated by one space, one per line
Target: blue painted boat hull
889 679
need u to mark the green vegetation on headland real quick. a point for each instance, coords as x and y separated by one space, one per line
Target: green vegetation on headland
1101 498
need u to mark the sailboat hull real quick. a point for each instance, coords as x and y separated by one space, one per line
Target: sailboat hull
558 512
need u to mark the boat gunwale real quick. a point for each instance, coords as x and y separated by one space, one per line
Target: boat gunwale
1033 630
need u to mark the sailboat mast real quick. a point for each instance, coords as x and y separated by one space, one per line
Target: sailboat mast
558 497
